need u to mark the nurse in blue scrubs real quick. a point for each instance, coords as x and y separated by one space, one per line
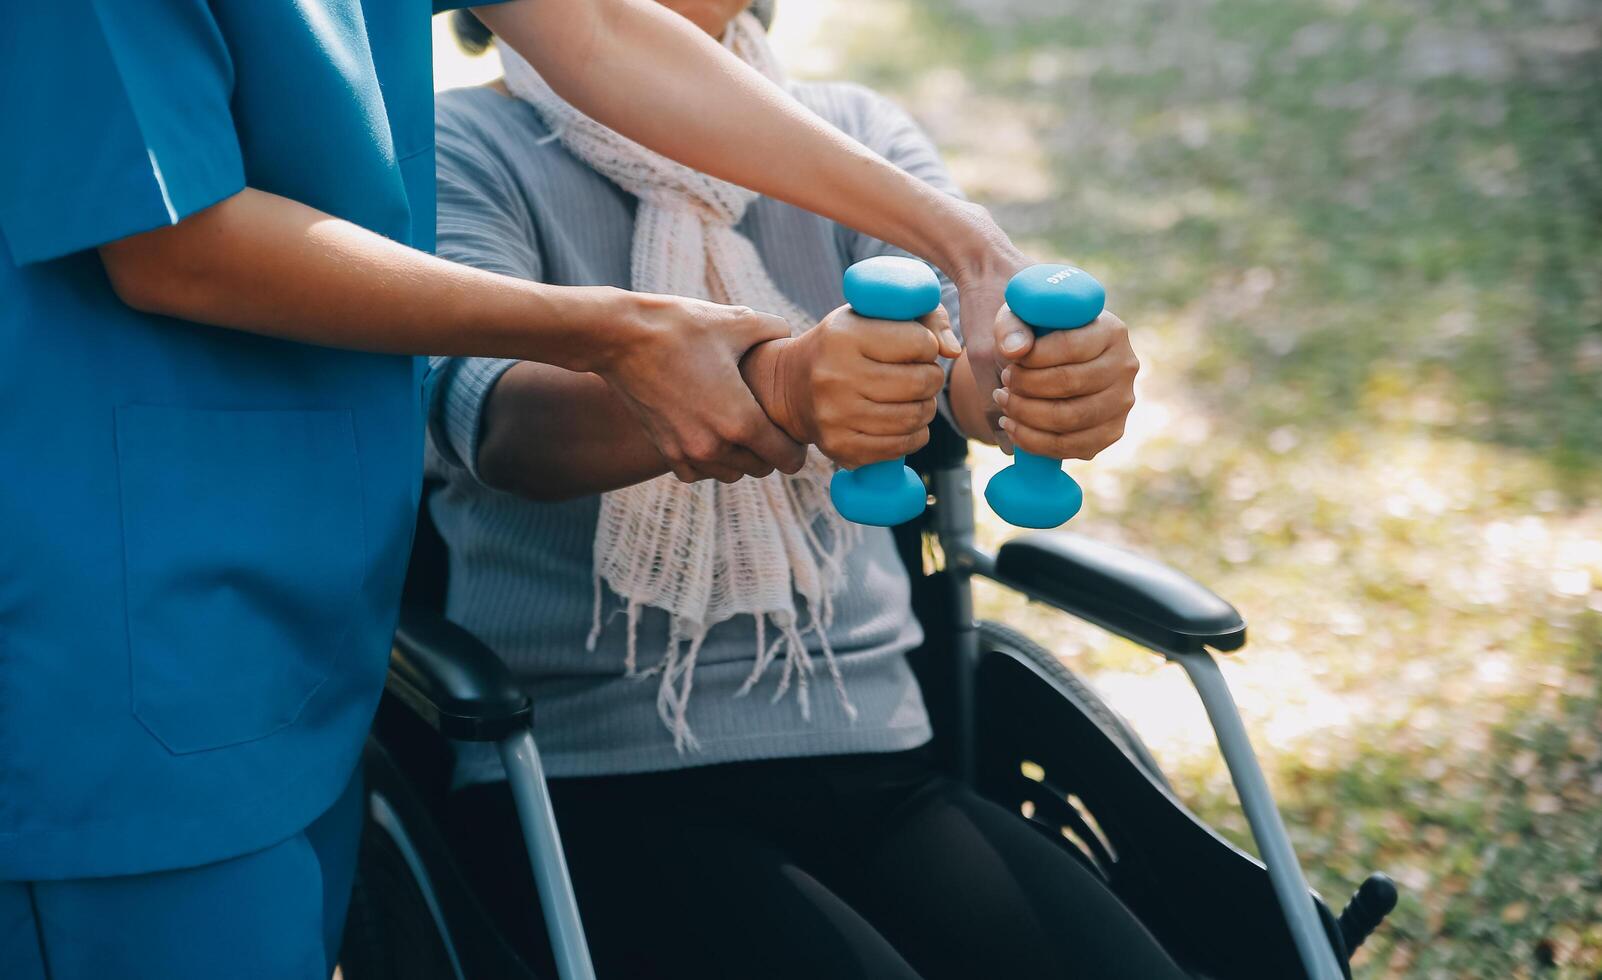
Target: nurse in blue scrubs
214 224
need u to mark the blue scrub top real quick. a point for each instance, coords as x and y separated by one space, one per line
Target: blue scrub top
202 532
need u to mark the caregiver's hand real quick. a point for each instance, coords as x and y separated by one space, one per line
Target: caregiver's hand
861 390
979 261
676 363
1067 394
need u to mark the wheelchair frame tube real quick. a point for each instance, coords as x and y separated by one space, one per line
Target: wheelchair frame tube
954 528
384 817
526 776
1268 828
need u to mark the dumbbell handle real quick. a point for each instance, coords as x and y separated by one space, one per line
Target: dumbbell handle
1030 463
1034 491
882 298
1048 298
885 288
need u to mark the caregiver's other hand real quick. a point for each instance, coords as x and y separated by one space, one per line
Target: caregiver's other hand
676 363
1068 394
861 390
980 266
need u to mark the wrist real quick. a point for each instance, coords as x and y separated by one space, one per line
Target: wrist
588 329
769 370
974 246
966 401
613 325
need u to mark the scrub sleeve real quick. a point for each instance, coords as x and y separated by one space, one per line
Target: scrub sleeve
115 120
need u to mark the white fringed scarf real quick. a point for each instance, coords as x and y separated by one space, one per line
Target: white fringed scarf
706 552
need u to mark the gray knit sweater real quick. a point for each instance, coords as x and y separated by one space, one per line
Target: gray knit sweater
513 201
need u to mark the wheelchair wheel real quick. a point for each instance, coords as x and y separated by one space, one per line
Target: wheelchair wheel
998 636
389 931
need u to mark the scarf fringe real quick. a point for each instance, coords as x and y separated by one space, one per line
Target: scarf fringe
676 668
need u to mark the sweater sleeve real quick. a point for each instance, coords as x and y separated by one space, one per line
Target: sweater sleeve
481 222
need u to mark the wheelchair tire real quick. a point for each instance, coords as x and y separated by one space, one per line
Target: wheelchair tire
389 931
998 636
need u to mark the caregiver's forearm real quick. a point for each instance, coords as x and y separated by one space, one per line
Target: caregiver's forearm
651 75
266 264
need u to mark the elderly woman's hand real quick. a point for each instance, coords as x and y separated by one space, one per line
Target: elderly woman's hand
1068 393
860 390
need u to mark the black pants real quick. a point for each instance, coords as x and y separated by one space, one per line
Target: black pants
859 866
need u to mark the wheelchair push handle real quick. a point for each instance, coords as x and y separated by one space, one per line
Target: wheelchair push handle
1374 900
1034 491
885 287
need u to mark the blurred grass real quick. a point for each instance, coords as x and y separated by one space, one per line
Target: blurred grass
1360 245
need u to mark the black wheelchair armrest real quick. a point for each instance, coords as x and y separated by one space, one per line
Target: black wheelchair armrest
1135 597
452 681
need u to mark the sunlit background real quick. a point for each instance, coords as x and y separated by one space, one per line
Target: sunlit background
1359 243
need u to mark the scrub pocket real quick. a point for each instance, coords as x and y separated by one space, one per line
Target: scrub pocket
244 556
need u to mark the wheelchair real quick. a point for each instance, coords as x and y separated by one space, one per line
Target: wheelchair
1008 717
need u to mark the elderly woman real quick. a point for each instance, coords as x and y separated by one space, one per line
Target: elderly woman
737 744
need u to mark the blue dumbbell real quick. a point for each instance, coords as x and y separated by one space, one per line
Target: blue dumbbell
1034 491
885 287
